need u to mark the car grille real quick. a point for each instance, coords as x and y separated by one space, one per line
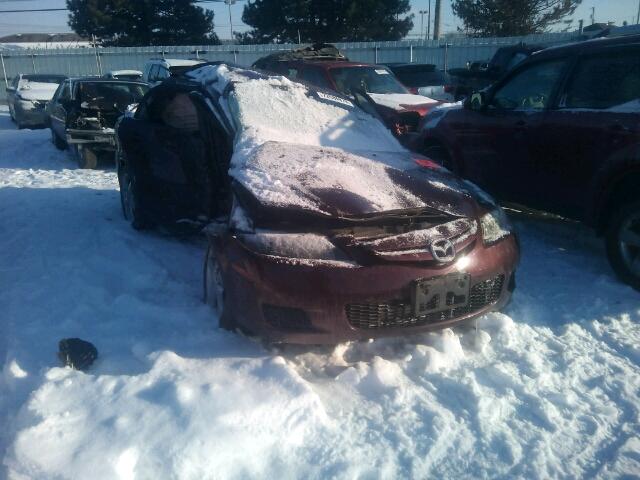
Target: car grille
400 314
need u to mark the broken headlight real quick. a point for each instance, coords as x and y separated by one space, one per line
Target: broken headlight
495 226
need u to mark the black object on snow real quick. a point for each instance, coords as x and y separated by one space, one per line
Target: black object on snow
77 353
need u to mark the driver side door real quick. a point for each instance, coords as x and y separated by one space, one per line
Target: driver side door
500 147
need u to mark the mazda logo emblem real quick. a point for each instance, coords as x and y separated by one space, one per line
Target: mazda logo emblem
443 250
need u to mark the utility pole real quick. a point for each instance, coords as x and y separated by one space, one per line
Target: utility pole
437 17
229 3
638 17
422 30
593 15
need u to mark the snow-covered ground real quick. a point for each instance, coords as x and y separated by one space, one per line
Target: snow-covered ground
549 389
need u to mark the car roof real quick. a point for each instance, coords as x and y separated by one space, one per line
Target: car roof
105 80
584 46
328 64
177 62
124 72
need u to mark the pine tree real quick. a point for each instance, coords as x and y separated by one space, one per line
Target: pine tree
500 18
283 21
142 22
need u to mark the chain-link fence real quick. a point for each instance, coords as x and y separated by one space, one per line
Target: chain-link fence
97 61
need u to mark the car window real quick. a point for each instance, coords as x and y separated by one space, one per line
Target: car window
605 81
153 72
315 76
367 79
65 94
163 72
529 89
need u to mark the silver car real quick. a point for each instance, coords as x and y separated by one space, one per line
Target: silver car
28 95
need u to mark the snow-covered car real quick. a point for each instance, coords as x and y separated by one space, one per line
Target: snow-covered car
124 74
27 97
83 114
321 227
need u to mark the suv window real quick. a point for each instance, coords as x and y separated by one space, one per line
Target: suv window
315 76
529 89
605 81
65 94
153 73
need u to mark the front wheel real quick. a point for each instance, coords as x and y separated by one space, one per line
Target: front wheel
128 201
57 141
214 292
623 243
85 157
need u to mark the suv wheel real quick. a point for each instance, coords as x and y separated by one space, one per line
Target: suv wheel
130 211
623 243
85 157
214 294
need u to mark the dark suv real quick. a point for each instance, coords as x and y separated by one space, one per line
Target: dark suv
560 132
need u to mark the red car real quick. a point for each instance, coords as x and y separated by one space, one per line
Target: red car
561 133
321 226
399 108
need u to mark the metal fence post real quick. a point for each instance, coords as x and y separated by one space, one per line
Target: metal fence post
411 53
375 50
4 70
33 62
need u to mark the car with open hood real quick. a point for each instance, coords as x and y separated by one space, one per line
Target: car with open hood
83 114
28 96
321 227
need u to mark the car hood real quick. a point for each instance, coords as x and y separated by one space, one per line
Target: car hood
281 180
404 101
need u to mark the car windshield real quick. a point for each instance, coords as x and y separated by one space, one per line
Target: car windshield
369 79
57 79
110 95
279 110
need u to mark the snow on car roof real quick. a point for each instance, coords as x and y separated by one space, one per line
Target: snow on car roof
292 138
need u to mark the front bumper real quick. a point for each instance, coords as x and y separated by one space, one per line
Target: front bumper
284 300
104 139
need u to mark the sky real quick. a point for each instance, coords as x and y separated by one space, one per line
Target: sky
55 22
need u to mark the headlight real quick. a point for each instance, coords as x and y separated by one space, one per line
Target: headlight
292 245
495 225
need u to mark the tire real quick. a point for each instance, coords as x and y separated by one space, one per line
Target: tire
440 155
85 157
214 292
623 243
57 141
128 201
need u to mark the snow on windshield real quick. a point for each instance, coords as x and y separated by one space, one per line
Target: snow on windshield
280 110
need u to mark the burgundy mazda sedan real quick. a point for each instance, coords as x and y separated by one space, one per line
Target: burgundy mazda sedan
321 227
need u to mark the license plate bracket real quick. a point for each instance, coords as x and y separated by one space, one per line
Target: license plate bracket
430 295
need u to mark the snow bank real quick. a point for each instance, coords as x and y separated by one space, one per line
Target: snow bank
550 389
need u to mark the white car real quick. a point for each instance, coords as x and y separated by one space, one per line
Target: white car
158 69
28 95
124 74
